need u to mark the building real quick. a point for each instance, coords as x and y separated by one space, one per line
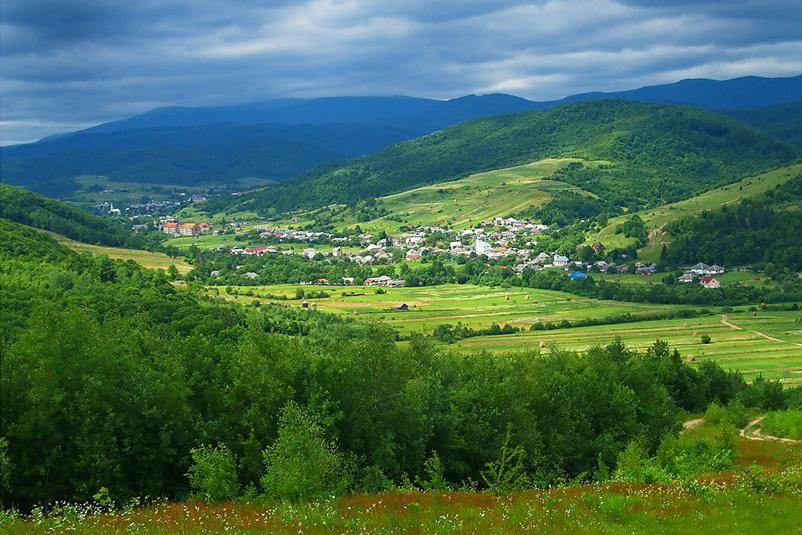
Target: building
481 247
577 275
560 261
687 277
403 307
709 282
171 228
189 229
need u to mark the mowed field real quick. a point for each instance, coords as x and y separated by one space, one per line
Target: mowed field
148 259
475 306
465 202
657 218
769 343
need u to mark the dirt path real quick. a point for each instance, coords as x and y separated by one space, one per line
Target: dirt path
725 321
752 432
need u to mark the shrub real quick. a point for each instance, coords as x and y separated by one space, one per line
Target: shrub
705 339
786 424
302 464
213 474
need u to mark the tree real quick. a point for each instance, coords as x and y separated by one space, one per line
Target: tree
213 474
506 473
302 464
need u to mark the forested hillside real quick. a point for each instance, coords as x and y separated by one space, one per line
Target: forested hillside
762 230
657 153
35 210
784 122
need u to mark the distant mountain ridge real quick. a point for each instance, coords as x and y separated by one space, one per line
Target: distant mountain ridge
657 153
282 138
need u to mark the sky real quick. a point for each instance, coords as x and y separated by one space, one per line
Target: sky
69 64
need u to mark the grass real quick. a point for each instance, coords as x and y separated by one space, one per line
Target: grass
657 218
475 306
603 509
147 259
769 343
468 201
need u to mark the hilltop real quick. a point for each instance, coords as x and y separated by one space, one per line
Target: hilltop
657 153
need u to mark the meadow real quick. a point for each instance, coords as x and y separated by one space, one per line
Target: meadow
465 202
769 344
148 259
474 306
657 218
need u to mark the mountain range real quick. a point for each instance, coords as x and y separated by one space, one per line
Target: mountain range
283 138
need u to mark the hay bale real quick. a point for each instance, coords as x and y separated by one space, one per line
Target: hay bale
542 344
690 358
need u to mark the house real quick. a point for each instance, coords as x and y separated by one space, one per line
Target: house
646 270
412 254
481 247
403 307
309 253
687 277
258 251
700 269
455 245
709 282
188 229
598 247
251 275
348 280
214 274
542 258
170 227
715 269
560 261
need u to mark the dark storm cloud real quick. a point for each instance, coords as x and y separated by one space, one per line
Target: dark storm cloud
67 64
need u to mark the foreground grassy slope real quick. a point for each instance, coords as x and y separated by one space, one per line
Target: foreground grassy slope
657 218
658 150
465 202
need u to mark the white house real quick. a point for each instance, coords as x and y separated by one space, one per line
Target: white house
482 247
560 261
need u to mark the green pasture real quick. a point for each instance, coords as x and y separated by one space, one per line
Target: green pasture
475 306
657 218
769 343
148 259
465 202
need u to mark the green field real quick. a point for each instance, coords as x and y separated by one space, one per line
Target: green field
768 344
656 219
148 259
465 202
475 306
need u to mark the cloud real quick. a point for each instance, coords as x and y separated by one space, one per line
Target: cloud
68 63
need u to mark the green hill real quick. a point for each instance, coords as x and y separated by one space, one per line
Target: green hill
463 203
658 153
20 241
35 210
656 220
783 122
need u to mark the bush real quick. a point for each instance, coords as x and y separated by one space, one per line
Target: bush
705 339
213 474
786 424
734 413
301 464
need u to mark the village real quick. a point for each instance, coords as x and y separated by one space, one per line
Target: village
513 241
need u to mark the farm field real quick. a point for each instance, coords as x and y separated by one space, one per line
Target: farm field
475 306
769 344
465 202
657 218
746 278
148 259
